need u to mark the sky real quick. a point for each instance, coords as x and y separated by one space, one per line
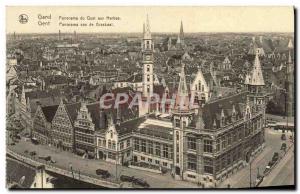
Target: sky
162 19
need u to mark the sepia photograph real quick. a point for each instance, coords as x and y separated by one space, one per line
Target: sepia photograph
150 97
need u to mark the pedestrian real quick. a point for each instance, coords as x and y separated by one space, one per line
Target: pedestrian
71 167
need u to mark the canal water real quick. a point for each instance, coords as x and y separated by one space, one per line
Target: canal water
63 182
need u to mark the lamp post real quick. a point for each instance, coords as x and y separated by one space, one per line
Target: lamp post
250 165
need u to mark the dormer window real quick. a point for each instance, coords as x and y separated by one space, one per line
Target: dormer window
233 116
214 125
223 121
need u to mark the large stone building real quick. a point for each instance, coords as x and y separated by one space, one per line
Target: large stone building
220 136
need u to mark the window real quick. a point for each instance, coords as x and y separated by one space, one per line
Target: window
165 151
149 160
113 145
218 165
148 78
143 158
150 147
148 68
165 164
157 149
128 153
136 145
109 143
177 123
192 162
229 139
223 121
218 145
208 146
128 143
157 162
143 146
208 165
199 85
121 145
192 143
223 142
228 158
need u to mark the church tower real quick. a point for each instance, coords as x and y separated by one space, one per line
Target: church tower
147 50
256 84
182 115
180 39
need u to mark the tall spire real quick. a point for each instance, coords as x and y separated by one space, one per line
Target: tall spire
181 30
182 98
147 34
257 78
290 45
144 29
182 88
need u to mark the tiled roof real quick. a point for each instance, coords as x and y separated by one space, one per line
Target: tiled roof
212 110
49 112
72 110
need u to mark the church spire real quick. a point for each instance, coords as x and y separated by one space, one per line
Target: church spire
257 78
147 34
182 88
290 45
181 30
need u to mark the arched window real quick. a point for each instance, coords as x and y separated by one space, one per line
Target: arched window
109 143
113 144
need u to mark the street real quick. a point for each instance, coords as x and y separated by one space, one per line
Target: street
273 144
88 166
240 179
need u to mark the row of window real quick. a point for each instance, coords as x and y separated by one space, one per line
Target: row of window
85 139
153 148
111 144
157 162
237 134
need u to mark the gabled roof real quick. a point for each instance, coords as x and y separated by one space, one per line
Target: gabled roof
49 112
72 110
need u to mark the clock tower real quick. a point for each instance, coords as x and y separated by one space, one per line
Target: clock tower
147 50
